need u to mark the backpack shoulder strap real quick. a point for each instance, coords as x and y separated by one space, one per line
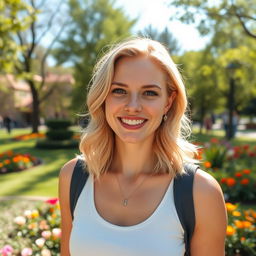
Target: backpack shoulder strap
183 200
78 180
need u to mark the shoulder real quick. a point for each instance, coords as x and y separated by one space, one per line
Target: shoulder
67 170
206 183
208 199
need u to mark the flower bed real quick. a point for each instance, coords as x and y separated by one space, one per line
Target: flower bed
233 167
241 239
29 136
14 162
36 232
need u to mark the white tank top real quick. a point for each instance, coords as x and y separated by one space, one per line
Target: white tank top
160 234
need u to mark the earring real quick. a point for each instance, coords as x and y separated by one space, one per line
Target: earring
165 117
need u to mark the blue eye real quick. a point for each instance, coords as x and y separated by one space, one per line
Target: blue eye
118 91
150 93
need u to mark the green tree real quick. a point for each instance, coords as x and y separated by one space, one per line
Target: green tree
47 22
95 24
165 37
12 22
199 71
207 14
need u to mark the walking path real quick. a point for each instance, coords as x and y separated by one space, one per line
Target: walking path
30 198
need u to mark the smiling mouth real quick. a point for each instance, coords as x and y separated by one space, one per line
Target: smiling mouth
136 123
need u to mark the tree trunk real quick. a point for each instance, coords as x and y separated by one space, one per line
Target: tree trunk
35 107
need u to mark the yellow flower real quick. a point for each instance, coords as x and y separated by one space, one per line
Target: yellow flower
236 213
34 214
230 207
230 231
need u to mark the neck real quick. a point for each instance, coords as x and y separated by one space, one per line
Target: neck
133 159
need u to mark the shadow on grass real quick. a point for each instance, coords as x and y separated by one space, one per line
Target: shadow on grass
38 178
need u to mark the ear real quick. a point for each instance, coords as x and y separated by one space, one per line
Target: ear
170 100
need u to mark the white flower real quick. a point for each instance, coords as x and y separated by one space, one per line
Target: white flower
20 220
56 232
46 252
230 152
40 242
26 252
28 214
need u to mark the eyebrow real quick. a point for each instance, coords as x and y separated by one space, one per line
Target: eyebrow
144 86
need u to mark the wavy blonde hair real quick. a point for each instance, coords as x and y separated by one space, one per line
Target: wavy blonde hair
170 146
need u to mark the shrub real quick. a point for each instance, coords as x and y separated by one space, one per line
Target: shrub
58 124
57 144
59 134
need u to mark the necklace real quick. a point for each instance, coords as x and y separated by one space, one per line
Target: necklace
127 197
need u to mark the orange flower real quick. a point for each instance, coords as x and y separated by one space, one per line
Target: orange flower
236 213
249 218
246 171
242 238
245 181
1 165
246 224
7 161
26 160
207 164
238 174
230 207
231 182
239 223
230 231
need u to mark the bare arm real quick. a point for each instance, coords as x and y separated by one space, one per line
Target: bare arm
211 217
66 219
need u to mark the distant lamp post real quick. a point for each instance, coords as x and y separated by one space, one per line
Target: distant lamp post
231 67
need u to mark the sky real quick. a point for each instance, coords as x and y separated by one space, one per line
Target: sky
156 13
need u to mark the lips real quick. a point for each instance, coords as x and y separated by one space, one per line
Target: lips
132 122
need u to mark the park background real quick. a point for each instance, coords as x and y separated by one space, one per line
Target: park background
48 50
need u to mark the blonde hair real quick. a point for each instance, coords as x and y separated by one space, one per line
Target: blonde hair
170 147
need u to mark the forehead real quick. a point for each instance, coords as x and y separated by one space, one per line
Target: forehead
138 70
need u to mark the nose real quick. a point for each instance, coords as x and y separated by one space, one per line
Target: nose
133 104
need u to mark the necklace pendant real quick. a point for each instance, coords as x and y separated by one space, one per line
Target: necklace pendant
125 202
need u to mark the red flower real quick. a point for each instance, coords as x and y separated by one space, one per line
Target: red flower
244 181
52 201
238 174
214 140
246 171
231 182
223 180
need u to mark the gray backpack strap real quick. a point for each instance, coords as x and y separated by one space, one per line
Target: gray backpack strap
183 200
78 180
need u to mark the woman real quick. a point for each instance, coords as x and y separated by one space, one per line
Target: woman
133 147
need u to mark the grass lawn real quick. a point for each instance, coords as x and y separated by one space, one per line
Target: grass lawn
41 180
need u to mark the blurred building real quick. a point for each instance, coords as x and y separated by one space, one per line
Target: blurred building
16 98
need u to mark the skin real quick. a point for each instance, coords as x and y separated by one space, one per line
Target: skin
132 97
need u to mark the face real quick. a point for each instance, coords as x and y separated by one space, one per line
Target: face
137 99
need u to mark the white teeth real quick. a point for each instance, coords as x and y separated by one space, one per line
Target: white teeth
132 122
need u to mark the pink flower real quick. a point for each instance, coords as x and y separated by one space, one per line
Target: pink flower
26 252
52 201
46 234
6 250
